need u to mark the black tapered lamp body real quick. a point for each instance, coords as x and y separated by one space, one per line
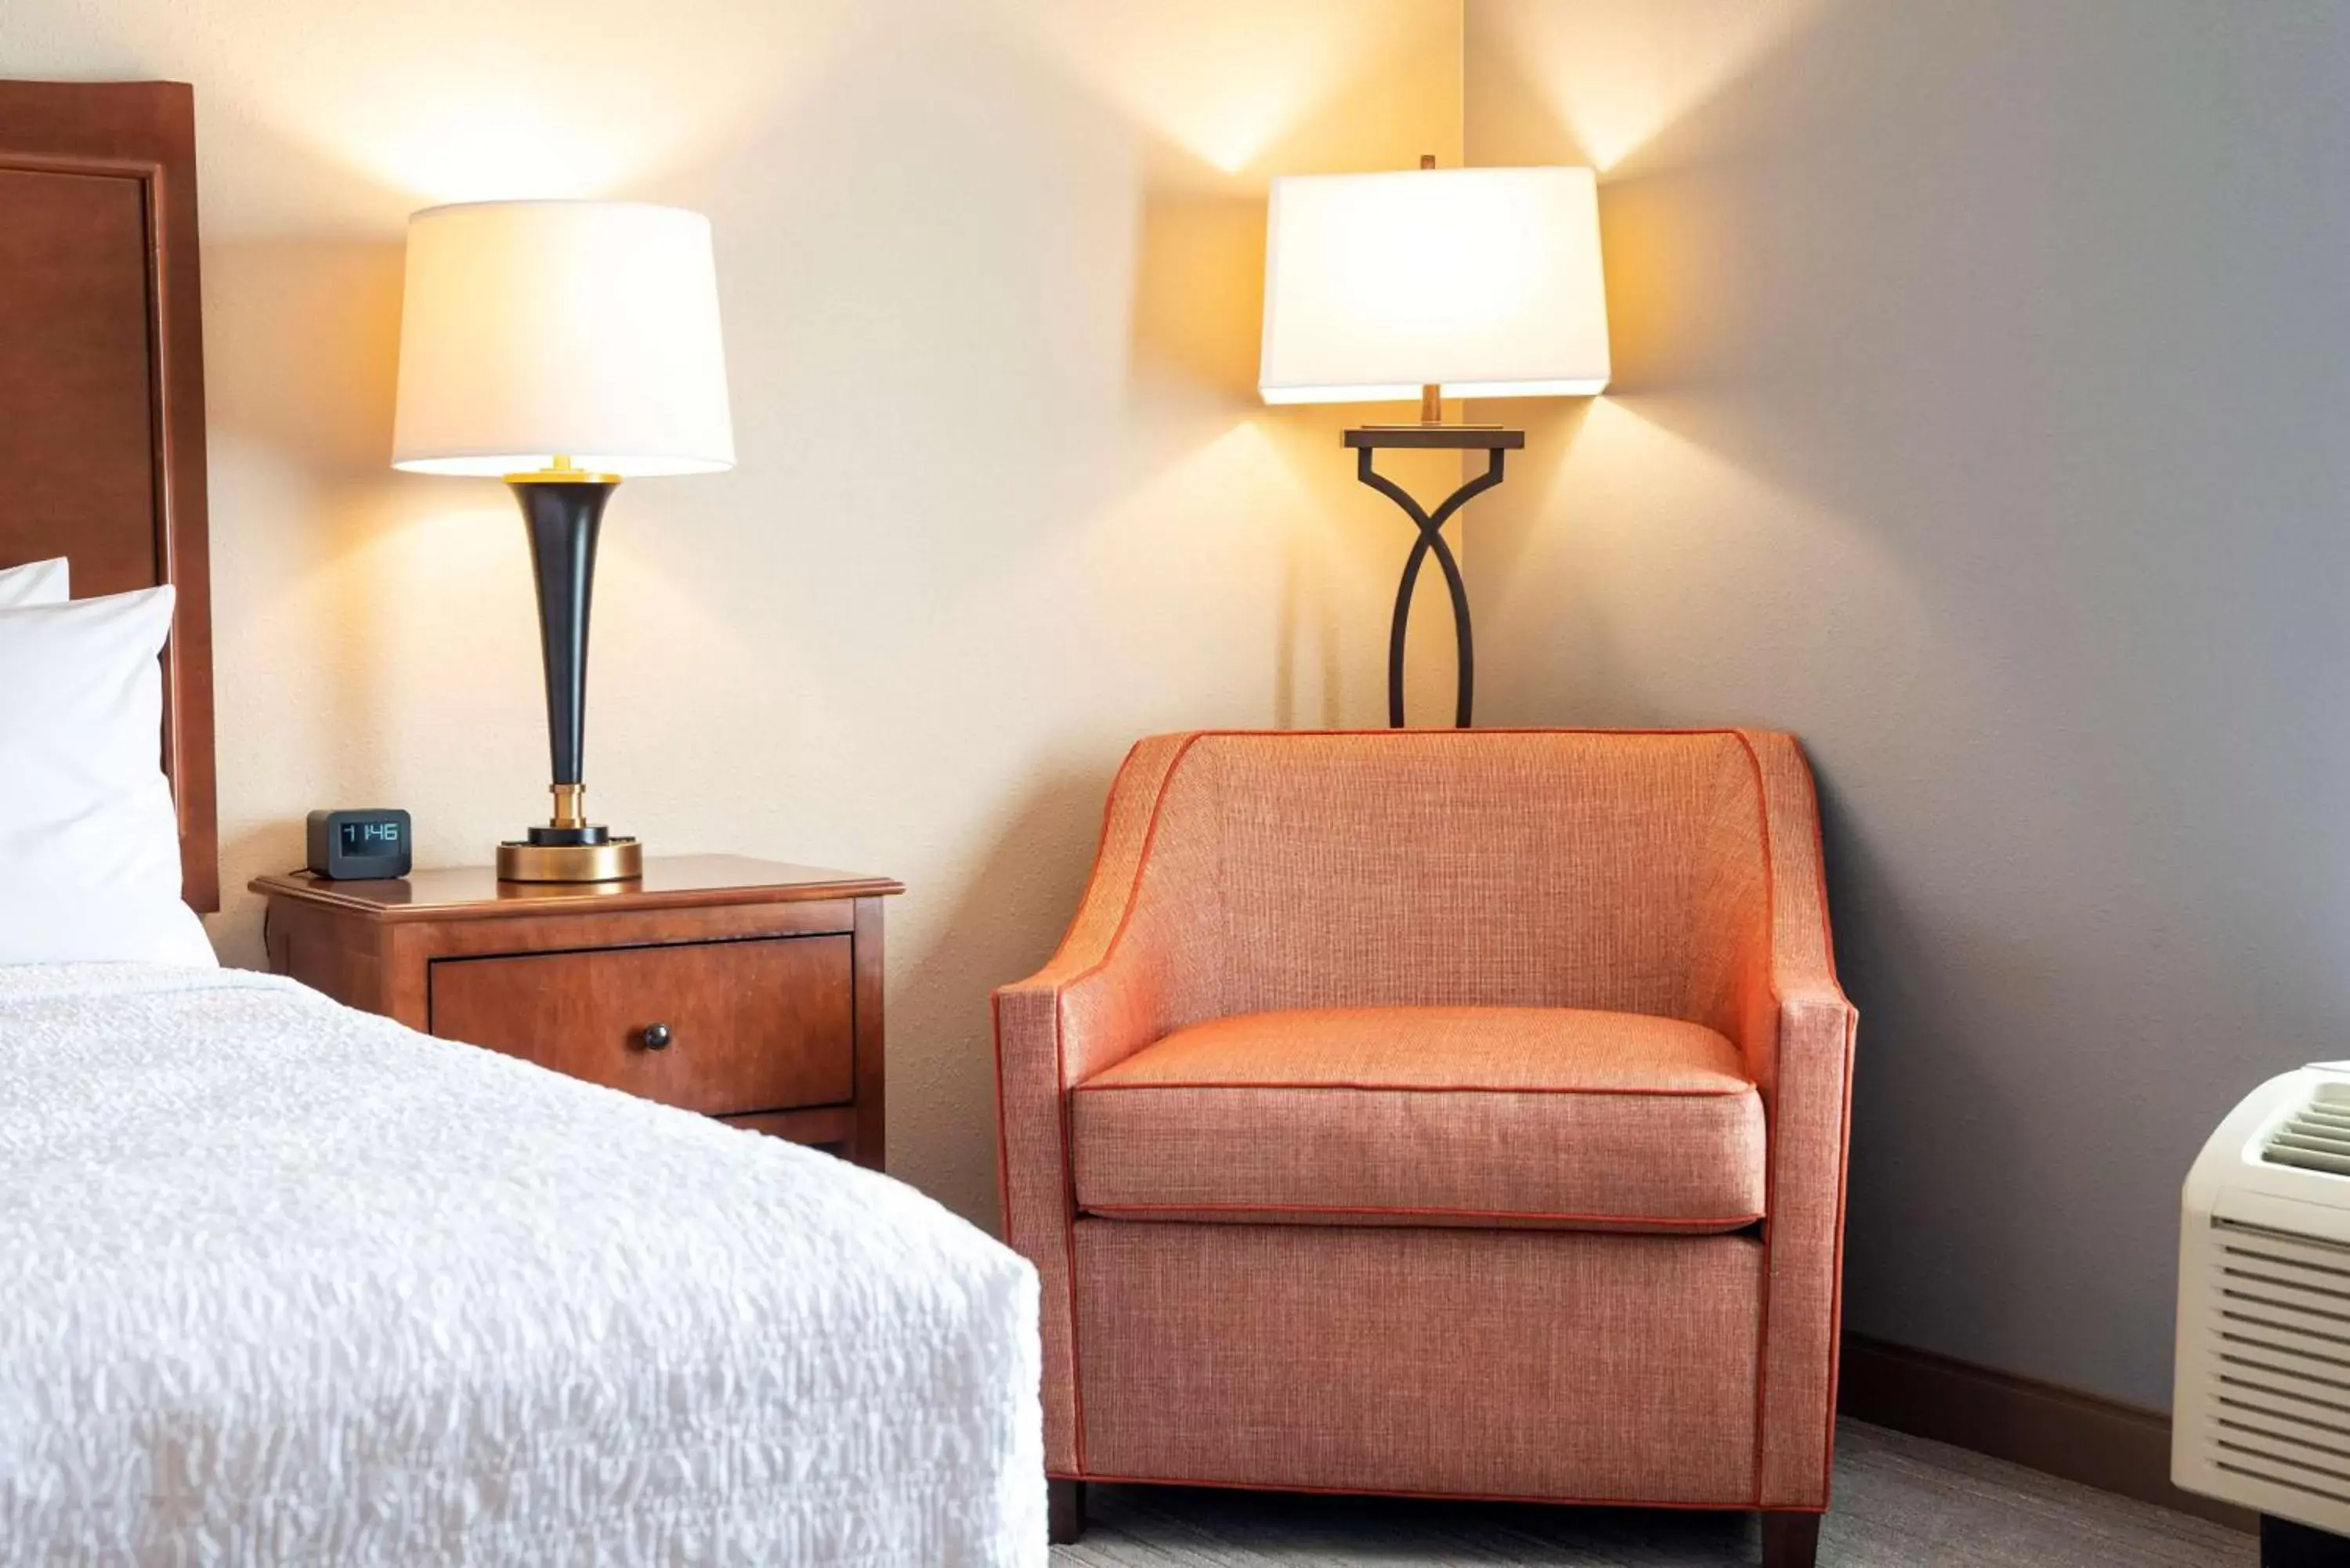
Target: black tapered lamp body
563 517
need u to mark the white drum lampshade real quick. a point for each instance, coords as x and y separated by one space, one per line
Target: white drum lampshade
1483 282
534 330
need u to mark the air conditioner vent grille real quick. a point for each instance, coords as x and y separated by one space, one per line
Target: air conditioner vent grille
2315 1138
2279 1379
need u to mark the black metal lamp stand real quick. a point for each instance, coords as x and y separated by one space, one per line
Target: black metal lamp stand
563 506
1493 441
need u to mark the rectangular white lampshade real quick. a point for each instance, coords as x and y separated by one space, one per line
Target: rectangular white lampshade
1485 282
582 329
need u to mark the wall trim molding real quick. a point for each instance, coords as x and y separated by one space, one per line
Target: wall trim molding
2085 1438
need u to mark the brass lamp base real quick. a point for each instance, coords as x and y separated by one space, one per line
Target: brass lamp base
614 860
570 848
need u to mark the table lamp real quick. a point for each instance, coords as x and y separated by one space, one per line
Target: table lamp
1433 284
562 345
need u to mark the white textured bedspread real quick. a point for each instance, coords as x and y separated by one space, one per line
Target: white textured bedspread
283 1283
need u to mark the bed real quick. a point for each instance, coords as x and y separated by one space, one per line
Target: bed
290 1283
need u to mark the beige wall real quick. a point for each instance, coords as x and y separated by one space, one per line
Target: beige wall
1980 374
1006 502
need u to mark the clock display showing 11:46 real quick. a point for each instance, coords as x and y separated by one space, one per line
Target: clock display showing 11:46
358 844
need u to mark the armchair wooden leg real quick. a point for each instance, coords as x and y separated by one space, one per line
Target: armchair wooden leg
1790 1540
1064 1511
2285 1544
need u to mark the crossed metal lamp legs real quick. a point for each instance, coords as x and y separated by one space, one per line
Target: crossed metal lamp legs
1493 442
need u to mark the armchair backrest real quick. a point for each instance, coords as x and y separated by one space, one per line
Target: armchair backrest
1612 869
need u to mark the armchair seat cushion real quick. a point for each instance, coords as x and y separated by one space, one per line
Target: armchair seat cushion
1553 1119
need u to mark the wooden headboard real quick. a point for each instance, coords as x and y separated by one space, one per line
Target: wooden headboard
102 383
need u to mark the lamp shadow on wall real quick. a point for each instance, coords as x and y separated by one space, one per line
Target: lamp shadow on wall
1198 301
386 610
1199 298
1198 312
1219 97
1504 547
303 336
1544 546
1696 275
1678 480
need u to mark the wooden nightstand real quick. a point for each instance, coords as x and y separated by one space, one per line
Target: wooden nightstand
741 989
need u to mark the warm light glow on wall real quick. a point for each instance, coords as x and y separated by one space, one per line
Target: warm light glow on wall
1615 76
1226 81
430 101
481 149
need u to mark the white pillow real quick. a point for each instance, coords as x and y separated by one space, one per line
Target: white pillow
89 845
78 925
36 583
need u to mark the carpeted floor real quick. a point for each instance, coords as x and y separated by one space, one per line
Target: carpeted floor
1901 1502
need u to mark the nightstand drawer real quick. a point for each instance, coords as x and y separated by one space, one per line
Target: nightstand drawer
751 1026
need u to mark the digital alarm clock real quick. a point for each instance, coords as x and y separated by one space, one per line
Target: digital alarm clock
359 845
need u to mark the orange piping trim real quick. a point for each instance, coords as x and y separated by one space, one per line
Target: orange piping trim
1003 1134
1069 1228
1112 1210
1739 1504
1769 1133
1142 859
1844 1144
1095 1084
1835 1303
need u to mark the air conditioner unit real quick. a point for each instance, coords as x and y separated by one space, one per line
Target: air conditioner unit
2261 1409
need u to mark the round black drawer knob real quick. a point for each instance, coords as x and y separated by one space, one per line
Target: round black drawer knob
656 1037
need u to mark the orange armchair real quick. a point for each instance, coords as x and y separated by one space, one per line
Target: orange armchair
1450 1113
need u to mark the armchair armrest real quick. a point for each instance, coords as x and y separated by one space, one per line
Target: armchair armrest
1104 993
1111 984
1796 1027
